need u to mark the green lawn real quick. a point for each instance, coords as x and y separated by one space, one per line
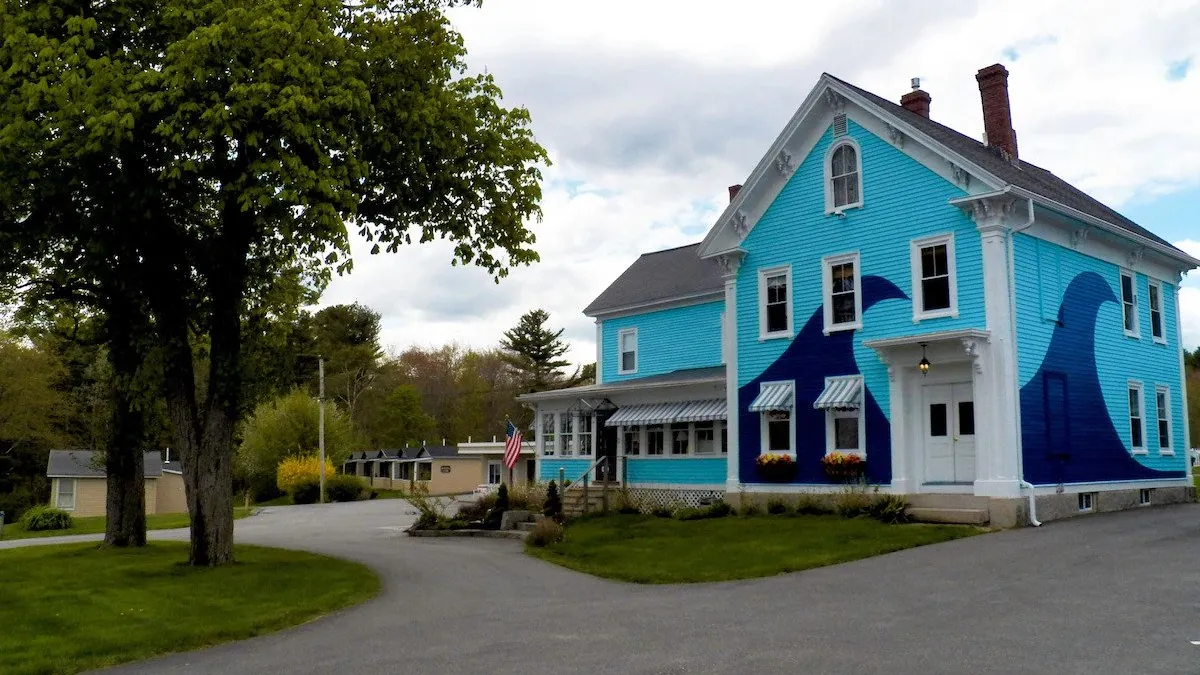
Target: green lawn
645 549
77 607
95 525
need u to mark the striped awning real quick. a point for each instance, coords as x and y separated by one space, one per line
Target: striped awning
648 413
704 411
841 393
773 396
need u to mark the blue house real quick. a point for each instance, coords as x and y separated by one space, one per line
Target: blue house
984 335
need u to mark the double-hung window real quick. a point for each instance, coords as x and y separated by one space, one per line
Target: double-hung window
549 438
935 292
632 440
680 439
706 442
1129 303
1156 313
65 499
654 440
846 436
1137 419
775 302
1162 406
843 176
628 346
585 435
566 429
843 301
493 477
777 430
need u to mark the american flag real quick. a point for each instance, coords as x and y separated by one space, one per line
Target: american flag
512 446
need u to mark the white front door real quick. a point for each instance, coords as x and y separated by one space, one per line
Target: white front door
949 429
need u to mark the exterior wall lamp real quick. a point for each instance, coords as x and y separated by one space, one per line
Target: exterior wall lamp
924 364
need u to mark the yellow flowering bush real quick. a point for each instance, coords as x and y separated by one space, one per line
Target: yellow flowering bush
774 459
776 467
293 471
843 466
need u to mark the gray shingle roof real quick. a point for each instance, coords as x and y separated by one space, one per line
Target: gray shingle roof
88 464
1022 174
439 451
661 275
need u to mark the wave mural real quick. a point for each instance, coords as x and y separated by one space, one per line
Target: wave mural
808 360
1067 431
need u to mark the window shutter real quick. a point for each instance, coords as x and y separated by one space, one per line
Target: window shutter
839 125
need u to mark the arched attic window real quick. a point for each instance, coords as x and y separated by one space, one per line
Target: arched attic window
843 176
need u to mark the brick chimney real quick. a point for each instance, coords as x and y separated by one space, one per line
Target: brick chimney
917 100
997 115
733 190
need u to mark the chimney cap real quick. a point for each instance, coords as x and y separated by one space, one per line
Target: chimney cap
916 83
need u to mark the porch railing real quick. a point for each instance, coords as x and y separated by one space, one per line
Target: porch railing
583 481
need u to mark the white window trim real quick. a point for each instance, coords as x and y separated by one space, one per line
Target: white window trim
553 449
914 260
1168 451
620 351
830 415
762 424
827 264
499 472
763 275
1161 338
1131 386
58 483
1135 333
1089 498
829 207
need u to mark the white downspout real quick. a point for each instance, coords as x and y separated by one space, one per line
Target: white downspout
1012 299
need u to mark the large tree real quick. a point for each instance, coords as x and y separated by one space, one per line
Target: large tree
535 352
175 156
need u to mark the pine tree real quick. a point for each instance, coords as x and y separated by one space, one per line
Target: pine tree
534 352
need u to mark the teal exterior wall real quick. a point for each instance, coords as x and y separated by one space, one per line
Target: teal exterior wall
902 201
1070 328
668 339
677 471
573 468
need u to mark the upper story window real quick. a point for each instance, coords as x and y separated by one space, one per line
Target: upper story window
1137 419
935 289
1156 313
843 176
1162 404
628 347
775 302
1129 303
840 283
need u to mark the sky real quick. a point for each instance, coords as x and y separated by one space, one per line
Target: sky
649 110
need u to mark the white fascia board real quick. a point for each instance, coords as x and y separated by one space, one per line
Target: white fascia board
659 304
625 385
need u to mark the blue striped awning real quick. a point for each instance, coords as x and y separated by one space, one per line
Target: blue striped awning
841 393
773 396
648 413
704 411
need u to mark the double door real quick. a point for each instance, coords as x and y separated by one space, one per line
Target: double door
949 427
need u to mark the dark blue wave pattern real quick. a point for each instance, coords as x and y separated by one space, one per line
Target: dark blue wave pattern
808 360
1067 432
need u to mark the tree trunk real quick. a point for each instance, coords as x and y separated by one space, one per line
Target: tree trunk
125 504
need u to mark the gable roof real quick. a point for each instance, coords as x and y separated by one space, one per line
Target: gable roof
440 451
660 276
1021 174
88 464
1023 180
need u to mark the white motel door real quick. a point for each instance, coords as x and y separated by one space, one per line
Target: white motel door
949 425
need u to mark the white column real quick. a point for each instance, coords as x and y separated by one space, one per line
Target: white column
901 462
995 378
732 480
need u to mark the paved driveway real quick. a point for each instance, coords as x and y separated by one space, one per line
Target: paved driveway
1103 594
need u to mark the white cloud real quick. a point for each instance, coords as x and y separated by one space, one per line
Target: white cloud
650 112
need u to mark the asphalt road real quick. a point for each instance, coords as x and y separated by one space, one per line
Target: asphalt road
1117 593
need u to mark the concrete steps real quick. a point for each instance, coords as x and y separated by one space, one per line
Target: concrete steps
526 527
575 505
928 514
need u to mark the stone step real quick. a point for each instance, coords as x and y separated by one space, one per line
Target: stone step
945 515
933 500
526 527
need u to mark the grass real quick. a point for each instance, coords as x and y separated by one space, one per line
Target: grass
645 549
95 524
77 607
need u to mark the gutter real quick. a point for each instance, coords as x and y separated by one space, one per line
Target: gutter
1012 308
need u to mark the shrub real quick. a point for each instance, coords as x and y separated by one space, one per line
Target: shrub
661 512
295 470
545 532
430 510
343 488
776 506
492 520
851 503
691 514
477 509
719 509
809 505
553 506
307 491
527 497
40 518
890 509
751 509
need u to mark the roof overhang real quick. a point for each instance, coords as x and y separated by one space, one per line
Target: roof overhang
918 338
661 303
595 390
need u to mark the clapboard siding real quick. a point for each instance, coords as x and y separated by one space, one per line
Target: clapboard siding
677 471
668 340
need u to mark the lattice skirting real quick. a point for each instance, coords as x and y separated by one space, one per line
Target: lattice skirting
648 499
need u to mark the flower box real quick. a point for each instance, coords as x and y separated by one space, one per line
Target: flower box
776 467
843 467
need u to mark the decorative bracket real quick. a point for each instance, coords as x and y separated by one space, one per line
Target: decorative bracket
895 135
961 177
971 347
741 223
891 370
835 101
785 164
730 262
1080 235
1135 256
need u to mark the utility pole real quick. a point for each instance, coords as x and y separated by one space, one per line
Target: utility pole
321 424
